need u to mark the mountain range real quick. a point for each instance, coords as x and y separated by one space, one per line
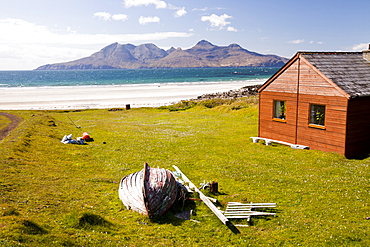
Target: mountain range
203 54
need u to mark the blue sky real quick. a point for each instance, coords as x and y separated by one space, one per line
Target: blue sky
38 32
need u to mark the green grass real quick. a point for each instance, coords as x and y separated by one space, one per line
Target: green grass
52 194
4 121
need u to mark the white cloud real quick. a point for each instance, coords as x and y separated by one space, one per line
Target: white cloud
232 29
17 29
217 21
136 3
119 17
204 9
180 12
297 41
107 16
149 19
69 29
360 47
44 45
314 42
103 15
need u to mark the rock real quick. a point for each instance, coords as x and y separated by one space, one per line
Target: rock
232 94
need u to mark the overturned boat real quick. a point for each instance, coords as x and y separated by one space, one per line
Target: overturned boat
151 191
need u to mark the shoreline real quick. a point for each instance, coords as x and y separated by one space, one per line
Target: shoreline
111 96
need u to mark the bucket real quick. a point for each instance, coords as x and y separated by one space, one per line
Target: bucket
85 136
214 187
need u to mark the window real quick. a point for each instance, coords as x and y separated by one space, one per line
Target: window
279 110
317 115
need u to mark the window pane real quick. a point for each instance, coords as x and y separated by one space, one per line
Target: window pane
317 115
279 109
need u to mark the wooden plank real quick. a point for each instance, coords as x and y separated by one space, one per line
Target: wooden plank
251 203
204 198
241 211
250 206
238 213
239 217
269 141
230 209
251 213
238 210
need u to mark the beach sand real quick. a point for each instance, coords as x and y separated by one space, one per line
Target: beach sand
118 96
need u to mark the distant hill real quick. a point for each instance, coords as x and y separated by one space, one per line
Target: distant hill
203 54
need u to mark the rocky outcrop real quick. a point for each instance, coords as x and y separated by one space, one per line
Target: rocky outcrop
232 94
203 54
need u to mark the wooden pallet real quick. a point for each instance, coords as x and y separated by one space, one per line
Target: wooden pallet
237 210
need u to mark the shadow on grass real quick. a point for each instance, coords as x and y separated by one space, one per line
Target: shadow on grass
170 218
29 227
178 207
359 157
255 219
10 211
88 220
232 228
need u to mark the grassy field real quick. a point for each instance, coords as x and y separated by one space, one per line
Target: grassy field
52 194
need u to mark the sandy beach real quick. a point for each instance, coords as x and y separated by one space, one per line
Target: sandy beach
94 97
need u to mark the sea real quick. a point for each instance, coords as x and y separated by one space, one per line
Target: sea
70 78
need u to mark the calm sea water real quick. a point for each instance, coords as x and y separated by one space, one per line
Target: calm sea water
132 76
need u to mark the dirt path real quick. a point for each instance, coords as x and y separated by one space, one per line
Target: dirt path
15 120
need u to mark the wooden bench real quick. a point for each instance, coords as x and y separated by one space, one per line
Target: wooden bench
270 141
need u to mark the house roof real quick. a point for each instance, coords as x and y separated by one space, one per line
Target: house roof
348 70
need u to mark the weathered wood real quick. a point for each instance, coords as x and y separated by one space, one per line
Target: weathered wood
151 191
204 198
238 210
270 141
248 215
254 205
341 82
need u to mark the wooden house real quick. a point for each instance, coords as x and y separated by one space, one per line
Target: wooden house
320 100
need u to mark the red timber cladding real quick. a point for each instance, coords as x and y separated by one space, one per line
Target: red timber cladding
268 128
358 128
283 88
333 137
316 89
285 82
313 88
